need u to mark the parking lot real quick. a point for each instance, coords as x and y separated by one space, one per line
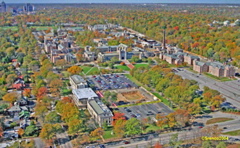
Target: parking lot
110 82
146 110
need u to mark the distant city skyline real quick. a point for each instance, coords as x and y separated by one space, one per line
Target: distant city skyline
125 1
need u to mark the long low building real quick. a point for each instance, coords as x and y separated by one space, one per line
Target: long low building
100 112
81 96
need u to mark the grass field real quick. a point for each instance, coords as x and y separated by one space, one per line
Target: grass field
136 95
218 120
107 134
133 79
141 65
89 70
122 67
38 28
217 78
233 133
165 101
13 28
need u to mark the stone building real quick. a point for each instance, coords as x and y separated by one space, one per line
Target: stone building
100 112
81 96
78 82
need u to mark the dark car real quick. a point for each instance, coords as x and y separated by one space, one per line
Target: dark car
126 142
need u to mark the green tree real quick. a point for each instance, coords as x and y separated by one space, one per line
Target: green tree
221 145
30 130
174 142
207 144
52 118
133 127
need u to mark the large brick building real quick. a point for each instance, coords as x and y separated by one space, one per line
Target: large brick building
214 68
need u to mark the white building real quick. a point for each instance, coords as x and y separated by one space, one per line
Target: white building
77 82
81 96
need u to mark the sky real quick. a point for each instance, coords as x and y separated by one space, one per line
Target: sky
123 1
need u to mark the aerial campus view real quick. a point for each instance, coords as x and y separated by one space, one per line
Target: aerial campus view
122 74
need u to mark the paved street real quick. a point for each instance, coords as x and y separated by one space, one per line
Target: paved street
229 89
39 143
64 141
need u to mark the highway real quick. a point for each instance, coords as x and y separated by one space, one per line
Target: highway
229 89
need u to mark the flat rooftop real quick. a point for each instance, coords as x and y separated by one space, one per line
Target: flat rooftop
77 79
100 108
84 93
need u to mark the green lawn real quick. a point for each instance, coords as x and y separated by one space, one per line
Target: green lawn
66 91
217 78
123 67
39 28
165 101
233 133
141 65
133 79
89 70
107 134
13 28
218 120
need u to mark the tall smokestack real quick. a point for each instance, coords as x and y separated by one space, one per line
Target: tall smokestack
164 39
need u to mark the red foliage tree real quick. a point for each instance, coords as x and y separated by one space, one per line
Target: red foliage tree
67 100
117 116
157 145
42 91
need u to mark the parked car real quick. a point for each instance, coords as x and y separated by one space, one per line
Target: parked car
126 142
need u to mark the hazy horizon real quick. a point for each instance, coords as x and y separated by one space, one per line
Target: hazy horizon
128 1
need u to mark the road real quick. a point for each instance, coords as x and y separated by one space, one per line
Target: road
229 89
39 143
165 138
63 140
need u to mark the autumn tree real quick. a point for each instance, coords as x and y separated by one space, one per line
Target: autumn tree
40 110
75 126
55 86
27 92
11 78
117 116
10 97
157 145
20 132
161 120
97 133
50 130
182 117
42 91
61 63
74 69
119 127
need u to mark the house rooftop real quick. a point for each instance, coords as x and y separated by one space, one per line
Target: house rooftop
84 93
